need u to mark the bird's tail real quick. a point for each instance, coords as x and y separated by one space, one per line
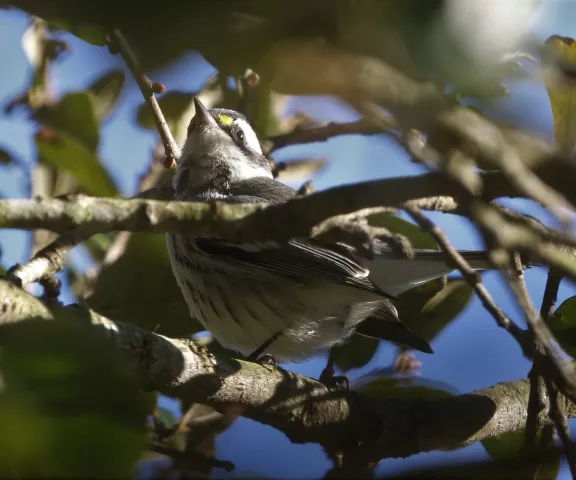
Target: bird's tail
395 275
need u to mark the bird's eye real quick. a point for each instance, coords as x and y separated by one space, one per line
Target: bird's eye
240 135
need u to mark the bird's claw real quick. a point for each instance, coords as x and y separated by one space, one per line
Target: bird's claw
267 361
334 381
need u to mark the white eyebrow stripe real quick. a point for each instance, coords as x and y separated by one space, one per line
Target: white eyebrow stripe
250 135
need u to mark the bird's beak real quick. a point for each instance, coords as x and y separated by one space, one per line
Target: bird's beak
202 116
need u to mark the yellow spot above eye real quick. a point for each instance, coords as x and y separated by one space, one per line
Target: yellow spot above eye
226 120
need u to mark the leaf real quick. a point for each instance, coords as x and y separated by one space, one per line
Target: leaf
140 288
71 405
74 115
355 353
62 151
563 325
88 32
510 445
418 237
428 308
559 65
6 157
383 385
106 91
300 169
98 245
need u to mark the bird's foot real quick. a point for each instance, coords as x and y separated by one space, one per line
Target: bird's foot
266 361
328 378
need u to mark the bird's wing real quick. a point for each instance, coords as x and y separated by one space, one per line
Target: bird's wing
296 258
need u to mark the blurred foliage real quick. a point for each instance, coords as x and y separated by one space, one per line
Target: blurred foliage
509 446
139 288
70 405
384 384
6 157
411 35
106 90
70 139
563 325
559 64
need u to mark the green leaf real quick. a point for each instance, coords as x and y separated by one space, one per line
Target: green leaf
140 288
106 91
88 32
559 55
382 385
71 405
64 152
563 325
415 234
428 308
98 245
355 353
509 445
74 115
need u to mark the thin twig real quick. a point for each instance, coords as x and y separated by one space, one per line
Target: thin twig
50 260
472 278
118 43
326 132
564 374
557 414
536 401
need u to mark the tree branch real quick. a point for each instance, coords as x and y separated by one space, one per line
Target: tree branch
303 408
50 259
295 218
118 43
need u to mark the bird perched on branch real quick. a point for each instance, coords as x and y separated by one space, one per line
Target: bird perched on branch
290 300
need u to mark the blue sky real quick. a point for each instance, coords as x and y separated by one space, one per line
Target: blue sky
471 353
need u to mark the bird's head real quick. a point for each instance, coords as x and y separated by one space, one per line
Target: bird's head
221 147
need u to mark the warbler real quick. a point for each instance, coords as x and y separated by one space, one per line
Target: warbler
290 300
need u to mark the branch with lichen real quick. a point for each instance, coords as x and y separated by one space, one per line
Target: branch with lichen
303 408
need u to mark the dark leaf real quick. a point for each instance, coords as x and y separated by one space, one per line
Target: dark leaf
385 385
74 115
88 32
106 91
71 405
6 157
515 468
355 353
563 325
509 446
65 152
140 288
418 237
428 308
98 245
